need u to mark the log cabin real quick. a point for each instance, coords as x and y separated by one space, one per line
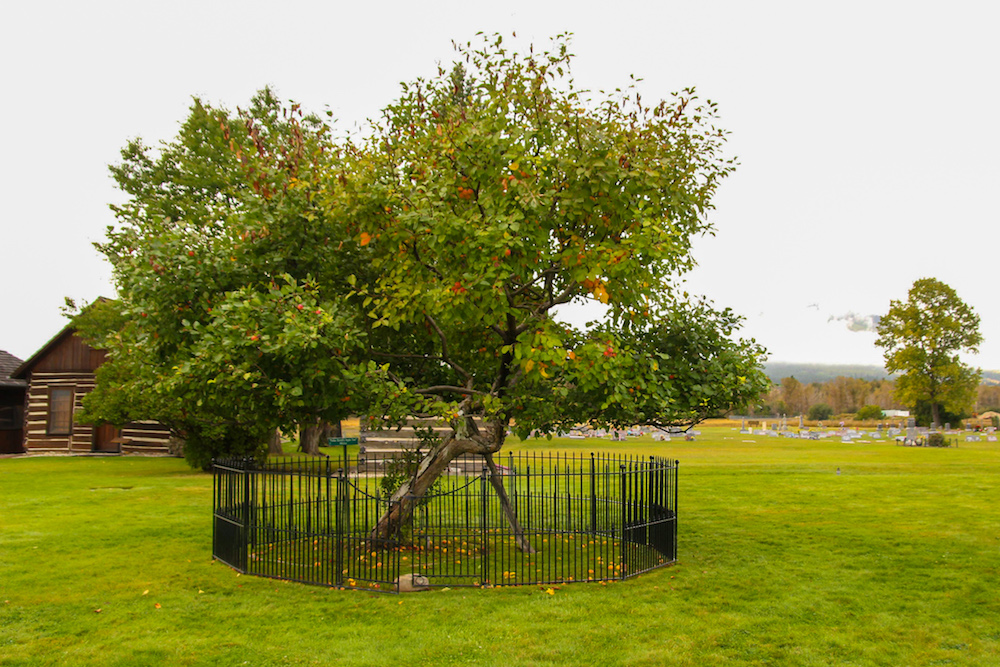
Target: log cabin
11 405
57 377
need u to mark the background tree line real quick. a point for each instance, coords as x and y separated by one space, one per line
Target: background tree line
849 396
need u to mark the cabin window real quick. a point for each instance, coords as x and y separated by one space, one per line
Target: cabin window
60 411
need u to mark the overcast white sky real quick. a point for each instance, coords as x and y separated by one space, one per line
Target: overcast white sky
867 133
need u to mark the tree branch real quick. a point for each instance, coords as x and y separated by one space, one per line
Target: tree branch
390 355
564 297
421 262
547 274
445 356
450 389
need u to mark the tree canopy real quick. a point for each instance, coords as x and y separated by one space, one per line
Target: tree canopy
231 319
269 275
922 338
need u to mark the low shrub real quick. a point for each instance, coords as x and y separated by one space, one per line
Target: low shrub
869 412
820 411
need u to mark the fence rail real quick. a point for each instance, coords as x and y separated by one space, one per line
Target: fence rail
593 518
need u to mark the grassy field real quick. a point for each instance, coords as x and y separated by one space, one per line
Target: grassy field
895 561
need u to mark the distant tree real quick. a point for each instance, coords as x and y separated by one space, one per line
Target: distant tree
921 338
988 398
881 393
780 408
922 413
820 411
793 394
869 412
844 394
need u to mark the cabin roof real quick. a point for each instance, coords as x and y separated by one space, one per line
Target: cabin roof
22 371
8 364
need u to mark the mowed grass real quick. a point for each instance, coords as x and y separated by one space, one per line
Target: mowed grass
896 561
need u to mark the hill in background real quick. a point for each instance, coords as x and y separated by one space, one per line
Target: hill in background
809 373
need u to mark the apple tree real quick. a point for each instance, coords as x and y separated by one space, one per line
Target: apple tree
269 275
492 194
231 316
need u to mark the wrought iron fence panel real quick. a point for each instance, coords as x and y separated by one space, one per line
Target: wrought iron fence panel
540 519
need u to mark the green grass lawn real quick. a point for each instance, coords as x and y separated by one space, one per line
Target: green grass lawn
896 561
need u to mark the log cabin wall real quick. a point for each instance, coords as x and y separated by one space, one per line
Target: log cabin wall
59 376
381 443
41 435
64 365
145 437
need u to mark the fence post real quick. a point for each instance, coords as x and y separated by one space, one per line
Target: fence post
307 497
624 518
651 494
245 546
329 504
340 506
511 484
252 498
483 498
215 509
593 498
677 464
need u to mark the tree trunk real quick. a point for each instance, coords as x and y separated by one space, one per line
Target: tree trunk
274 444
309 438
497 481
405 499
935 415
431 467
314 437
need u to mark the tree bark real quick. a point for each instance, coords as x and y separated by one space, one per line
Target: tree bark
274 444
405 499
431 467
309 438
497 481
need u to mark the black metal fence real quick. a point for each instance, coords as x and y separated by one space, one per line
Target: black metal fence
595 518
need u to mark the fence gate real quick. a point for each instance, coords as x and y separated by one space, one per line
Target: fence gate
231 502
